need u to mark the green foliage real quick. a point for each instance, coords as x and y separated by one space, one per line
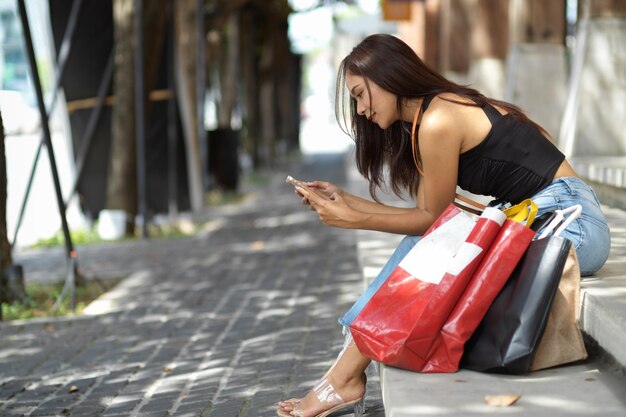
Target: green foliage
40 299
79 237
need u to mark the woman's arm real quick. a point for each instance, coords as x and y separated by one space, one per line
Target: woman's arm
441 135
369 206
342 212
339 208
356 202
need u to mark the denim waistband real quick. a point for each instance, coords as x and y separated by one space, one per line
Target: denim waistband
571 185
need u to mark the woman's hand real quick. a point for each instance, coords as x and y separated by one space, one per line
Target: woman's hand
322 188
331 208
325 187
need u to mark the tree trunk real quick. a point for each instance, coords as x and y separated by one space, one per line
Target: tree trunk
122 179
6 260
490 31
432 38
250 75
267 96
154 35
228 72
456 45
185 25
284 87
489 42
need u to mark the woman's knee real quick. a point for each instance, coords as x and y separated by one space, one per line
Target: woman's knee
593 251
592 239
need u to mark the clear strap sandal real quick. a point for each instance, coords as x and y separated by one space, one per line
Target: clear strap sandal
326 394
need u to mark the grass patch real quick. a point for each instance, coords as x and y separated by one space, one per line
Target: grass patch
40 299
79 237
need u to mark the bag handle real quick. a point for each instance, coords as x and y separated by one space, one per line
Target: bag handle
524 211
469 205
573 213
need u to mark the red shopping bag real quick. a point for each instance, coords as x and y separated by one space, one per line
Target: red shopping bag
404 317
488 280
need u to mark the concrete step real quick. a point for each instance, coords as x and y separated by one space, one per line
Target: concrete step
580 390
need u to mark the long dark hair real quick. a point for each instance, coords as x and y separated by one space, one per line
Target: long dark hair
395 67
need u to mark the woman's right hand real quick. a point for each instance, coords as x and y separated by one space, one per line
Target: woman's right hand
323 188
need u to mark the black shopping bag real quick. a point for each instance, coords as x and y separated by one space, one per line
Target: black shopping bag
509 334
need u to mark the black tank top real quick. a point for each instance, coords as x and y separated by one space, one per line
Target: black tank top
513 162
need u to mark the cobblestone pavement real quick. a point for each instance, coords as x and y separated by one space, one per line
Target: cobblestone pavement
223 324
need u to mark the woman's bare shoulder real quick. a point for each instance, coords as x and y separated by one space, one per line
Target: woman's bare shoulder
457 120
446 114
452 121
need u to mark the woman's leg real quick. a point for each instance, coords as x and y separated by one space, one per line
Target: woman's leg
344 382
403 248
346 377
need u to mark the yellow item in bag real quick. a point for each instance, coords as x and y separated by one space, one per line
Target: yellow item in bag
523 212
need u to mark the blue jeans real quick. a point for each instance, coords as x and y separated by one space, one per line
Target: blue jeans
589 234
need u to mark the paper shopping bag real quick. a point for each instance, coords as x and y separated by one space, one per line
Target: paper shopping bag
399 323
488 279
562 341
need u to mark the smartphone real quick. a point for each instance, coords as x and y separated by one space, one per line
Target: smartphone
291 180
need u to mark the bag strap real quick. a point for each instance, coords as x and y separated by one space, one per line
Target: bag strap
573 213
416 119
524 212
468 204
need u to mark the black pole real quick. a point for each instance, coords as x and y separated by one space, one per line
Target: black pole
30 51
139 118
64 51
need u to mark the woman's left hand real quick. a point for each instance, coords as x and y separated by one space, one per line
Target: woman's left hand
332 211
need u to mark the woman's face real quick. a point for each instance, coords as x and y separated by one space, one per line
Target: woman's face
377 104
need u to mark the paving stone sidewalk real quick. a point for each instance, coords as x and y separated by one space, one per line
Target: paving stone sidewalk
222 324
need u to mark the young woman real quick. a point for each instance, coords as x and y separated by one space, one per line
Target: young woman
430 135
